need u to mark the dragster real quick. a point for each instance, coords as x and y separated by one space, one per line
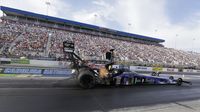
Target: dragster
88 77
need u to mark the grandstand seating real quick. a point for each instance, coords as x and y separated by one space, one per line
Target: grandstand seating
31 40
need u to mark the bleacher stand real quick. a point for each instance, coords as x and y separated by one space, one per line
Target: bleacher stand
36 41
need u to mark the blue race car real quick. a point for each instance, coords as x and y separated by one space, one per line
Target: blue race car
88 77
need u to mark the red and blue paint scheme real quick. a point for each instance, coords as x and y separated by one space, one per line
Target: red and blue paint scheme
88 77
133 78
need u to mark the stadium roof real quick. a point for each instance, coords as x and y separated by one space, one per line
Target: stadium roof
17 12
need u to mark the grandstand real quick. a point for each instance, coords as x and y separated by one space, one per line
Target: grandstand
38 36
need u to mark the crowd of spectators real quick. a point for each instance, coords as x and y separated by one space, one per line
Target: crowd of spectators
23 39
31 40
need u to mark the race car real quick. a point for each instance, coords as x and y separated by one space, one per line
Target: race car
88 77
133 78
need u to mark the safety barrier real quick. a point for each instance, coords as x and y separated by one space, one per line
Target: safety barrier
191 71
27 72
155 69
141 68
35 72
39 63
170 70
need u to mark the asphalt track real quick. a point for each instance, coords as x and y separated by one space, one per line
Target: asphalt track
61 95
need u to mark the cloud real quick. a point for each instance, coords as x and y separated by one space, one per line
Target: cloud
149 17
89 17
100 3
39 6
98 14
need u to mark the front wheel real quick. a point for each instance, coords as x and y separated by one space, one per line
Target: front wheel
171 77
179 82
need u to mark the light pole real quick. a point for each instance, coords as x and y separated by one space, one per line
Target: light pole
48 5
193 46
175 41
155 31
129 26
95 18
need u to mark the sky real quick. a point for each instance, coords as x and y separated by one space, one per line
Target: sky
175 21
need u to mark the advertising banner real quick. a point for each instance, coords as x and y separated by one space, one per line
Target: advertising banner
20 61
140 68
158 69
170 69
188 70
22 71
34 71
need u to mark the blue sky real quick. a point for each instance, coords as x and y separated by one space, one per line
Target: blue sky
176 21
181 10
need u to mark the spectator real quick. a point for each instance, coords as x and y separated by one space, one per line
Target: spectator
20 39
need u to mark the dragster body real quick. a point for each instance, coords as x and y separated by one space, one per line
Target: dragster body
88 77
133 78
126 77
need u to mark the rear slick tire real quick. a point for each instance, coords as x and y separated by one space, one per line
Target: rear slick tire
86 79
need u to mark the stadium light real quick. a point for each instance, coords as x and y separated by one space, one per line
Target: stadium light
175 41
48 4
129 26
95 17
155 32
193 46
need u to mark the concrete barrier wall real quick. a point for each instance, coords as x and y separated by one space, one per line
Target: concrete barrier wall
44 63
152 69
191 71
170 69
38 63
63 64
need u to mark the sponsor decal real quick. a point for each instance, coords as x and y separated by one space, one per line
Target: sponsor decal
20 61
141 68
33 72
170 69
159 69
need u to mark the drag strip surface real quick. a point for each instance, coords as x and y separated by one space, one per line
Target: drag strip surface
72 98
